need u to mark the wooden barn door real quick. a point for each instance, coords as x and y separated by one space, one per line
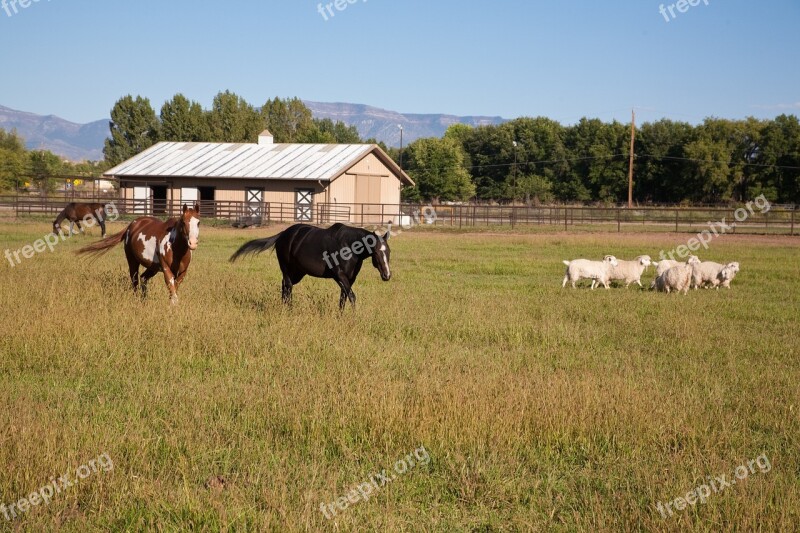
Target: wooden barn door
368 194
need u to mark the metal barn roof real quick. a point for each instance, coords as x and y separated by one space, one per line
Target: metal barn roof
313 162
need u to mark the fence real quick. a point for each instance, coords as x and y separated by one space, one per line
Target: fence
777 220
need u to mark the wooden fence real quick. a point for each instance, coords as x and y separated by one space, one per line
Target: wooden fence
775 220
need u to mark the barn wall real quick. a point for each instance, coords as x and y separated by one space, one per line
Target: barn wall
343 190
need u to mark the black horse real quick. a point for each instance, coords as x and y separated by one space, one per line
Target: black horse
336 252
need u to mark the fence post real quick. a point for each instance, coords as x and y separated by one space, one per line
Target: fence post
676 220
793 210
565 219
619 213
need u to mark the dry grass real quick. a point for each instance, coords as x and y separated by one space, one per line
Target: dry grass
542 409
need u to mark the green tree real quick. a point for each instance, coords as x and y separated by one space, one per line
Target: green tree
660 169
437 167
598 154
183 121
779 153
233 120
13 159
288 120
45 168
134 128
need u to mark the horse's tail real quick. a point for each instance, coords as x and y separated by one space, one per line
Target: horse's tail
101 247
255 247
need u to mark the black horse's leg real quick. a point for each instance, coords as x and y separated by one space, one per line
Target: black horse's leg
102 226
286 290
78 223
347 291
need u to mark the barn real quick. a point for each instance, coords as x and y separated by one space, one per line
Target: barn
315 183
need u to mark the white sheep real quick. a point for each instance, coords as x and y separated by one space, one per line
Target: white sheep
597 271
728 273
630 271
677 278
709 272
665 264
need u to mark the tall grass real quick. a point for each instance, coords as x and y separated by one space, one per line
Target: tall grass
541 408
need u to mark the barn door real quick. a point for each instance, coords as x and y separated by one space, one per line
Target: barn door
254 199
141 200
303 204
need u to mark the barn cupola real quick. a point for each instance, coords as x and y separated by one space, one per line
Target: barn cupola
265 137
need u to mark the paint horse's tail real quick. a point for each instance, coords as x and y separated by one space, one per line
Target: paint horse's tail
101 247
255 247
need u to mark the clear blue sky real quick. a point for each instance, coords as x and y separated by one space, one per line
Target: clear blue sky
557 58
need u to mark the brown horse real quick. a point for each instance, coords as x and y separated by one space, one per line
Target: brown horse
157 246
76 212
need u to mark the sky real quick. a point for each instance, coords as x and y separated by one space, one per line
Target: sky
563 59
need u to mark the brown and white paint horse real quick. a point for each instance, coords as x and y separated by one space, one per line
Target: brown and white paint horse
76 212
157 246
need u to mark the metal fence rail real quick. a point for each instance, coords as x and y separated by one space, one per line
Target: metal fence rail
776 220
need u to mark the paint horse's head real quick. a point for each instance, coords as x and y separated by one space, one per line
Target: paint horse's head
380 255
189 225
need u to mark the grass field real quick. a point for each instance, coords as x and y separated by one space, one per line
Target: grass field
538 409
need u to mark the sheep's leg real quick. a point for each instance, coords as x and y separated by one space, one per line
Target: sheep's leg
564 283
640 284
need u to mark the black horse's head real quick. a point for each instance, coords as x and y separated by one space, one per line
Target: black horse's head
381 254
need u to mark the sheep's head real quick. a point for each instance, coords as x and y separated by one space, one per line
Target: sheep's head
645 261
693 260
727 273
611 260
734 266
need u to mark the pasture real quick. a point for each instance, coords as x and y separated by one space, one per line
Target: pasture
540 408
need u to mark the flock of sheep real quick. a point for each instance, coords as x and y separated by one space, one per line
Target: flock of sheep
670 275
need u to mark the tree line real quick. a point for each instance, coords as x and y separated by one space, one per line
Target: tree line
527 160
532 160
135 126
21 168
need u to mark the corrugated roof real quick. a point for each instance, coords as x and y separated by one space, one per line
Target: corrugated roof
314 162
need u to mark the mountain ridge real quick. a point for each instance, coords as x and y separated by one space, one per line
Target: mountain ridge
79 142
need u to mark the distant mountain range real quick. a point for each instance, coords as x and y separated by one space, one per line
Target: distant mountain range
381 124
78 142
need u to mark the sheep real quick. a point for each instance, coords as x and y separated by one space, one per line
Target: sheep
709 271
630 271
728 273
665 264
677 278
597 271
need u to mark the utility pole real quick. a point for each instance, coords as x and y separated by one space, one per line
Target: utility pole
401 145
514 189
630 163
